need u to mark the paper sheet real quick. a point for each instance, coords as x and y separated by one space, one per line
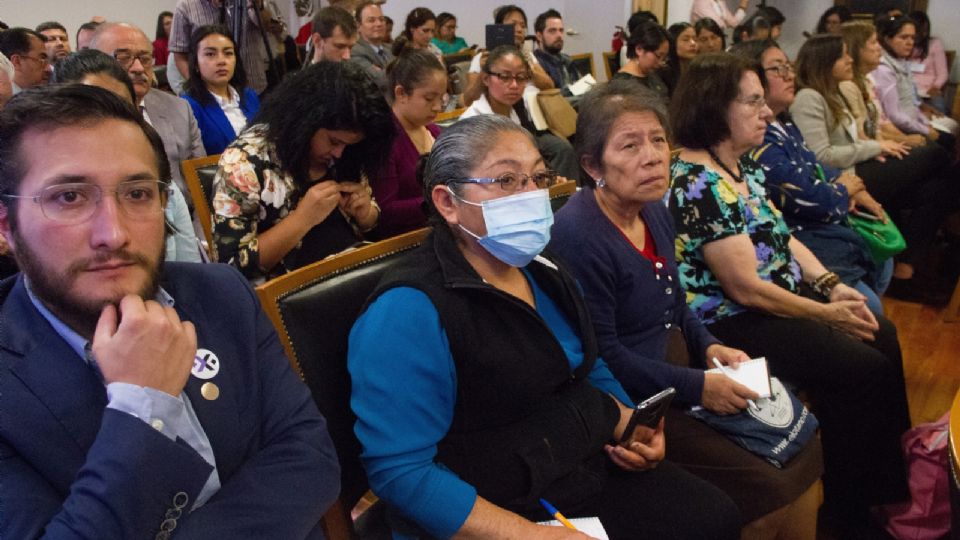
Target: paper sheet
583 85
753 374
590 526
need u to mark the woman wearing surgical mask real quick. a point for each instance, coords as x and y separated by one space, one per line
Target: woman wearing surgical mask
497 361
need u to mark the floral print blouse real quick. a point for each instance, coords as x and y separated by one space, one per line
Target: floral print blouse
252 192
706 208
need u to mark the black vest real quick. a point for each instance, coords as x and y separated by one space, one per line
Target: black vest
524 426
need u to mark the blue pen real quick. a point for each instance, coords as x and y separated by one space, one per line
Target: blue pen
556 514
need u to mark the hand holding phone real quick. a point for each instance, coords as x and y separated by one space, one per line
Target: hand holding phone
648 413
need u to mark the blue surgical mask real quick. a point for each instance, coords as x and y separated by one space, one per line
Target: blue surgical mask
518 226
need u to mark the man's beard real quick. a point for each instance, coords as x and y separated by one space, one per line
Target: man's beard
54 290
554 49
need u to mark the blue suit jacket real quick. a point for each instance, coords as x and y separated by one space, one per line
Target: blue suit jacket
70 468
215 129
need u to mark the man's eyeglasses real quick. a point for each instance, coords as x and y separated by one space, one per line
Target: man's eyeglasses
126 58
507 78
75 203
43 59
514 182
782 70
757 103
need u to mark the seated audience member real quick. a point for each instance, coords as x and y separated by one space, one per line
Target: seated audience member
26 51
719 12
710 36
216 89
898 177
334 35
419 84
418 31
446 39
387 30
648 48
548 27
506 74
190 14
504 398
123 442
683 49
95 68
169 115
162 39
929 64
292 188
776 19
371 51
539 80
55 40
752 29
860 93
617 237
815 198
897 90
744 274
85 34
832 18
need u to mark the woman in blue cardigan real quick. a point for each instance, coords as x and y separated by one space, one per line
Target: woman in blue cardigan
216 89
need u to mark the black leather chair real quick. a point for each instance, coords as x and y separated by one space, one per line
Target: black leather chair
313 310
611 63
198 174
584 64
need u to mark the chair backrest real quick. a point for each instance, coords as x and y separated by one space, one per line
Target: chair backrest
584 64
561 193
313 309
611 63
448 118
466 56
198 174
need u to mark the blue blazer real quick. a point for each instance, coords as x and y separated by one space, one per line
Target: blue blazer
71 468
215 129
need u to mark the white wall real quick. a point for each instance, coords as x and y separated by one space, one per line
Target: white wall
73 13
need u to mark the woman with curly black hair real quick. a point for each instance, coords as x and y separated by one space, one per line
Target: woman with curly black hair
292 189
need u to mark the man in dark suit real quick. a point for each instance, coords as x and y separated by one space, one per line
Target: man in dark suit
371 52
168 114
139 399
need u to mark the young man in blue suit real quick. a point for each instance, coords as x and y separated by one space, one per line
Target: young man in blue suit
137 399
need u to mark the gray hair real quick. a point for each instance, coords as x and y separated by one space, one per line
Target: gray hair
461 147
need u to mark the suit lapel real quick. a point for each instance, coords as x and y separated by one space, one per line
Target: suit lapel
56 379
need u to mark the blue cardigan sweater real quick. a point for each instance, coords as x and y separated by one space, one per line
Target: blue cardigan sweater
215 129
632 309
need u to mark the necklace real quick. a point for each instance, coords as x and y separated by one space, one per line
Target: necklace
736 177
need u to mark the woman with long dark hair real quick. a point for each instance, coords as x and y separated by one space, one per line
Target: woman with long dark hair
216 89
418 32
292 189
898 177
683 49
710 37
929 64
160 51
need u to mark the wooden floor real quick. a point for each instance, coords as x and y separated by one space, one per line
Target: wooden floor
931 357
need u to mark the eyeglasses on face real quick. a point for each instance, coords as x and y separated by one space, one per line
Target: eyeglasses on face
514 182
507 78
126 58
782 70
757 103
75 203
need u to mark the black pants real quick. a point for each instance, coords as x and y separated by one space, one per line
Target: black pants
924 182
857 392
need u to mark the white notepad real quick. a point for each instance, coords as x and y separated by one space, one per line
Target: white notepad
753 374
590 526
583 85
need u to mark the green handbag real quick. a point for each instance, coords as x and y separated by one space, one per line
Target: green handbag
883 239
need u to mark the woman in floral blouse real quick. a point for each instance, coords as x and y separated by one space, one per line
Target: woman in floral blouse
292 188
759 289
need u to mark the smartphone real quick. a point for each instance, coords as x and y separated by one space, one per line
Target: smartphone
499 34
649 412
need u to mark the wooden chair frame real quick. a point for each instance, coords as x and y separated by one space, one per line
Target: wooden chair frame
607 56
337 522
587 56
200 206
